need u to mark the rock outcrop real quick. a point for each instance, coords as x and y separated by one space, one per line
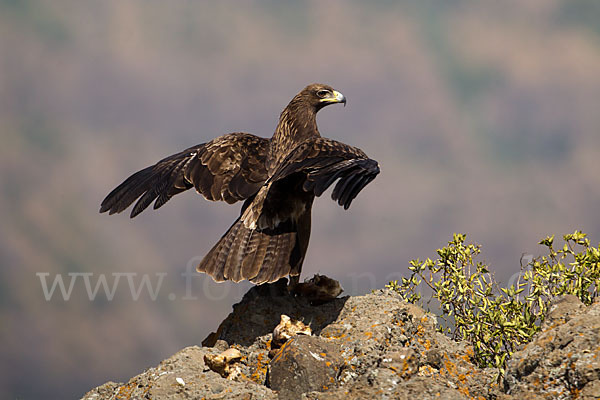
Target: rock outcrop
373 346
563 360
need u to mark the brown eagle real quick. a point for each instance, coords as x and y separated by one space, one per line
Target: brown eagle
277 178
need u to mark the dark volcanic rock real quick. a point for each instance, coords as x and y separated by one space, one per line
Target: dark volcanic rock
304 364
260 310
563 361
384 385
183 376
373 346
563 309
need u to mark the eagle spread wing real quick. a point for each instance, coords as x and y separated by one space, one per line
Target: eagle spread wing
278 178
229 168
323 161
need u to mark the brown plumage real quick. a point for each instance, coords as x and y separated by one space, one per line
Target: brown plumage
277 178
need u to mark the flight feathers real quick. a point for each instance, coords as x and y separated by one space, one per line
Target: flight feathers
229 168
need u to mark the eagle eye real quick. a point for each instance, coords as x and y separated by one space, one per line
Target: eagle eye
323 93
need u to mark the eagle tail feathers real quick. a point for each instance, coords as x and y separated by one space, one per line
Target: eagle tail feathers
259 256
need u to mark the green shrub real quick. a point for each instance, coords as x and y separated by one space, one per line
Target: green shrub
498 321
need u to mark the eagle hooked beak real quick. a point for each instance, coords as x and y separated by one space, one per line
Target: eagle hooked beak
336 97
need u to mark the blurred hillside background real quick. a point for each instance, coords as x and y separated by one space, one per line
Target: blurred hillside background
484 116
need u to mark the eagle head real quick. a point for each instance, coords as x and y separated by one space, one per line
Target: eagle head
319 95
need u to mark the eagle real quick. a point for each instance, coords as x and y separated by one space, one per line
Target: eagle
277 179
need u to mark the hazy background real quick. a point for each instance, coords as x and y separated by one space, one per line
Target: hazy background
483 115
